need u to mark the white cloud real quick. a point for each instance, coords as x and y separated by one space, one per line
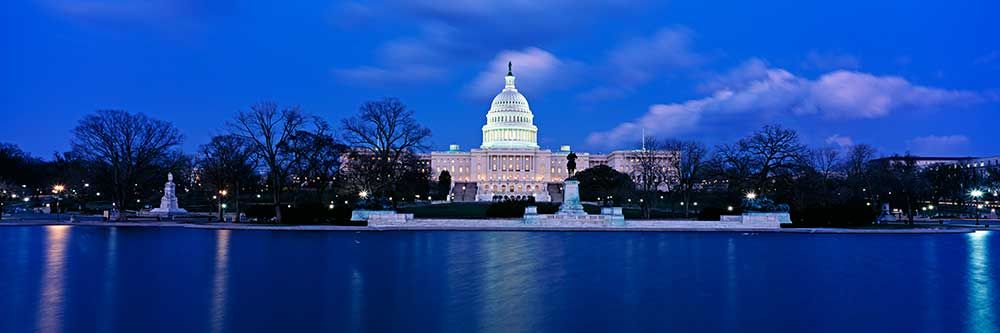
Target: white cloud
659 120
938 145
846 94
536 70
748 72
768 91
367 75
640 60
840 141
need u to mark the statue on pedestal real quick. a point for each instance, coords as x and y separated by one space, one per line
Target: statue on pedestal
571 164
168 204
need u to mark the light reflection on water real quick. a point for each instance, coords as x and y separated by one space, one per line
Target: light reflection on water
931 280
507 269
220 279
731 291
357 297
50 308
110 282
980 282
122 279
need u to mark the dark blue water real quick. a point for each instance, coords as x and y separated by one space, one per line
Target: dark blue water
89 279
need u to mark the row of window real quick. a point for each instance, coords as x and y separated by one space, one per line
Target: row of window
511 102
509 119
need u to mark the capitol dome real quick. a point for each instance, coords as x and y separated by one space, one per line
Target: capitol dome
509 123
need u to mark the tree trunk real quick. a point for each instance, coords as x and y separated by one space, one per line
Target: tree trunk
909 212
121 206
276 193
687 204
237 203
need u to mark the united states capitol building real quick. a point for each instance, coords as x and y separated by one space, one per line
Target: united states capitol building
510 164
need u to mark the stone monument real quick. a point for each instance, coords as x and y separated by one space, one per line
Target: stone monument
168 204
571 199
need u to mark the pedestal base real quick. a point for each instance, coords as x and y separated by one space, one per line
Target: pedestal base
168 211
571 205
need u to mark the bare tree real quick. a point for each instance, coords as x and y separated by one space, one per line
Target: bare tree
268 130
316 158
901 182
385 133
857 159
776 151
826 160
126 146
689 165
733 164
651 168
227 163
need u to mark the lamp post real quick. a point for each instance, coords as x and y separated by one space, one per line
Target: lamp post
222 206
56 190
976 194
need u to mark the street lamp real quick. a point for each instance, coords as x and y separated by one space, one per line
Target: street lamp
222 206
56 190
976 194
751 195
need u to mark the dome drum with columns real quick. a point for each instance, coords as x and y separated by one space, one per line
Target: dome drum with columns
509 123
510 164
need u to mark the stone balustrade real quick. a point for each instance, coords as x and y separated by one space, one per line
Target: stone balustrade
380 217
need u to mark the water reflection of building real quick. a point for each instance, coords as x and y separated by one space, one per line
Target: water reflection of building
510 163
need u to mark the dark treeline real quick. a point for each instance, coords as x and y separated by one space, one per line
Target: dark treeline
280 163
837 186
270 161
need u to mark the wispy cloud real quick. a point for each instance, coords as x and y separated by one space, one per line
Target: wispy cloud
136 11
640 60
939 145
446 33
754 87
367 75
537 71
840 141
660 119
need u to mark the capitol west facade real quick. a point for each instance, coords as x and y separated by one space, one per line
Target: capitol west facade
509 164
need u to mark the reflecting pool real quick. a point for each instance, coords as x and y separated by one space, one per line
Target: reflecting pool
143 279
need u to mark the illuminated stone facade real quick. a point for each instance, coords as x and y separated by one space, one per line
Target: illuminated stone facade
509 164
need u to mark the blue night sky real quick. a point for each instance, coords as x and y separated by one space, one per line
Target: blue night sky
918 76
